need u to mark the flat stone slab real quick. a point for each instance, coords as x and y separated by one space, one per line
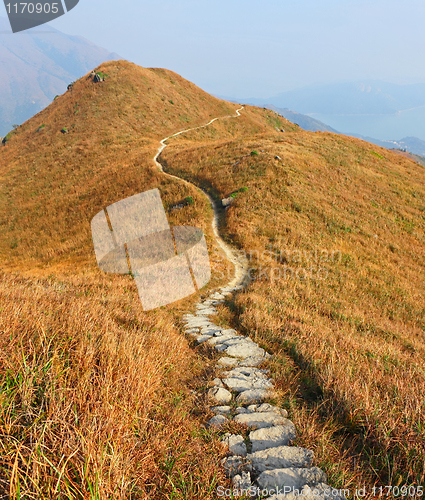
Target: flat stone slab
261 420
244 349
254 360
226 361
246 378
197 323
218 383
192 330
228 331
280 435
267 407
281 457
254 396
218 421
292 477
220 347
221 409
206 309
220 339
222 396
210 330
245 384
235 443
248 371
202 338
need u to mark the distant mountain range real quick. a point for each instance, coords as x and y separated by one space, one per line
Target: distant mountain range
35 66
304 121
352 98
411 144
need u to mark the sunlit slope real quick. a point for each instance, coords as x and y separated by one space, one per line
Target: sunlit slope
99 395
335 228
53 183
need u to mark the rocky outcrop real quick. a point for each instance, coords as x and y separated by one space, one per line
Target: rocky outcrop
225 202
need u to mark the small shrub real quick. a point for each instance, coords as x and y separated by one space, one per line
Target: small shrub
254 153
170 101
189 200
240 190
64 130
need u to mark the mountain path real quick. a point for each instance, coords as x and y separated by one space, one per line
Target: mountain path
263 460
239 263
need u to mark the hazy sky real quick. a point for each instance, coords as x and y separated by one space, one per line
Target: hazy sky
249 48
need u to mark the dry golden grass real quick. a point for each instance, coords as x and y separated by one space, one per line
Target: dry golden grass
95 394
349 340
93 398
52 184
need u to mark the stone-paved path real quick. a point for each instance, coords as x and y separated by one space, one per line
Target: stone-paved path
265 459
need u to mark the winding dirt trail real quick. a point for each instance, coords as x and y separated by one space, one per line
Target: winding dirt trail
271 459
240 263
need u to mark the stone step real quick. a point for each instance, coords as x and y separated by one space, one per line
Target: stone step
222 409
210 330
244 349
270 437
265 407
220 395
244 384
250 361
220 339
262 420
254 396
280 457
218 421
235 443
292 477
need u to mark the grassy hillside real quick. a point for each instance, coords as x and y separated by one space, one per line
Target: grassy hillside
103 400
53 183
335 232
98 398
304 121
